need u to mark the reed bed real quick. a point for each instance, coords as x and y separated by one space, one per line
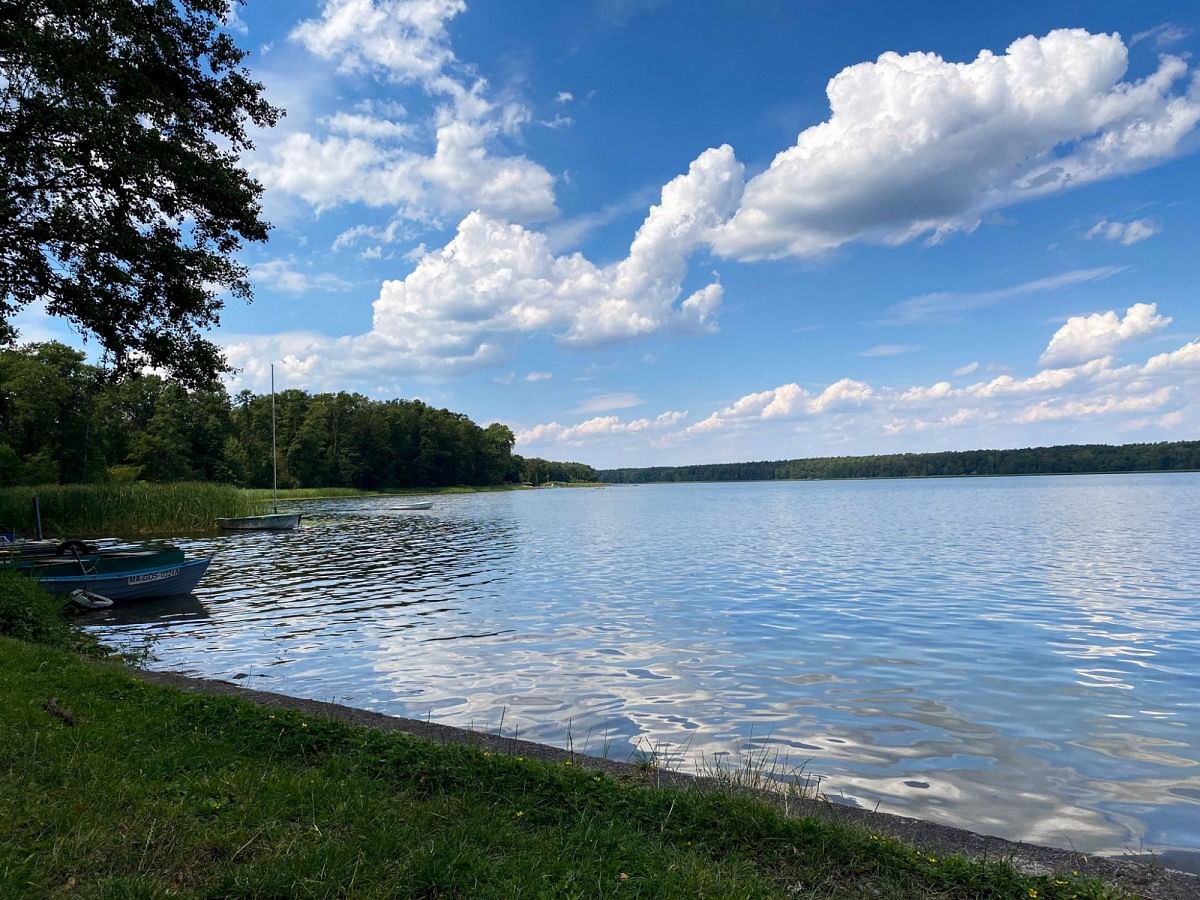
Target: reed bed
137 508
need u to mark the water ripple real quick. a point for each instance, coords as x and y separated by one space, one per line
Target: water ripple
1014 655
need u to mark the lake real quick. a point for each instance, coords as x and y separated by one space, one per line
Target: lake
1018 656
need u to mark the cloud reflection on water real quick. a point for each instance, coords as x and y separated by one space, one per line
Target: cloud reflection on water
1023 647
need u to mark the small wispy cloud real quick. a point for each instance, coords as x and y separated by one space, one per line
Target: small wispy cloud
539 376
969 369
1163 35
278 275
950 304
609 402
1123 232
619 12
564 97
568 233
890 349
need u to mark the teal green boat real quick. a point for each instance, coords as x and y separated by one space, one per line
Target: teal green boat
116 574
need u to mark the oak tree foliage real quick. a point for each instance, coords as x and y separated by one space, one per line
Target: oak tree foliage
122 197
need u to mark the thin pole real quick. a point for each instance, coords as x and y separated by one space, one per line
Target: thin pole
274 452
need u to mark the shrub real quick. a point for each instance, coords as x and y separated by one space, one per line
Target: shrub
30 614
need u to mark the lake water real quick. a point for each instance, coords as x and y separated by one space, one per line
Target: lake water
1019 656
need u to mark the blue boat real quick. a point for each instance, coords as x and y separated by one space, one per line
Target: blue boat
120 575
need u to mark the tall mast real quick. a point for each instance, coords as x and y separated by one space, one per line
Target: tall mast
274 453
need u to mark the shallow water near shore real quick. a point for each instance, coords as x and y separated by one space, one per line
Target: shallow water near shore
1017 656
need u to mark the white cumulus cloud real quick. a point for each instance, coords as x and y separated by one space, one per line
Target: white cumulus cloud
464 305
447 164
920 146
1159 398
460 174
600 426
406 39
1083 338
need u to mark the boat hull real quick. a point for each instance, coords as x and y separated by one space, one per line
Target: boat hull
169 580
276 522
411 506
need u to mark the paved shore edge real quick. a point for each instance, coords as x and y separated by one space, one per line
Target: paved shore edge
1152 880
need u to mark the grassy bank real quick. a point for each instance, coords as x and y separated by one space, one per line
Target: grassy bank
111 787
123 509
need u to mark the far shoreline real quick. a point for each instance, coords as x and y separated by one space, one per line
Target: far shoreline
1060 459
888 478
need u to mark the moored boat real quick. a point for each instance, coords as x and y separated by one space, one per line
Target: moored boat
269 522
119 574
420 505
275 520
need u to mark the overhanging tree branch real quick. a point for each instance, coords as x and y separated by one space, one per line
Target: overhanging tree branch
122 198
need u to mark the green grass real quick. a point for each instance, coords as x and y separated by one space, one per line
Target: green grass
110 787
123 508
29 613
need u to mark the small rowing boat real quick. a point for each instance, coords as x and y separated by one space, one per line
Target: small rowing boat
269 522
427 504
120 574
275 520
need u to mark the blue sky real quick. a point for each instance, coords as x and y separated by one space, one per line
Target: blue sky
855 227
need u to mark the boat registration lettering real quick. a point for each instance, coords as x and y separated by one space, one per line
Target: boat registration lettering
152 577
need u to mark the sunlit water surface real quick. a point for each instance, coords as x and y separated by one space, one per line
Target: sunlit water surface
1020 656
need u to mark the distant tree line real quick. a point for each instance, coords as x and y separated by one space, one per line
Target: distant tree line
62 420
1065 459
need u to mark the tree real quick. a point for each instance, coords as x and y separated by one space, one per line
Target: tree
122 200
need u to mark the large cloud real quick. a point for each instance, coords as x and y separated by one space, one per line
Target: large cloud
916 145
464 305
495 278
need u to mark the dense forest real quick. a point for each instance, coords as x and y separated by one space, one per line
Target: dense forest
1066 459
62 420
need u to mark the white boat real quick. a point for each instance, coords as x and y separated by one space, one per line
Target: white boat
424 504
274 520
269 522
